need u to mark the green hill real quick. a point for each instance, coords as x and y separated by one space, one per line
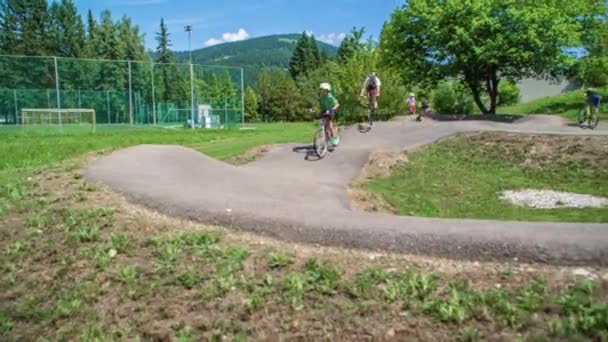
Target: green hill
252 54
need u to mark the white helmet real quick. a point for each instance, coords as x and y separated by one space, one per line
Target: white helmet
412 94
325 86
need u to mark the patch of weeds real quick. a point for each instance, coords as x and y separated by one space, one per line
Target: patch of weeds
102 258
185 335
222 283
129 275
84 225
366 280
584 314
41 219
168 253
32 308
189 279
279 260
259 294
119 242
199 239
236 255
94 332
401 286
16 248
293 290
457 308
6 324
100 254
469 334
72 300
79 196
320 278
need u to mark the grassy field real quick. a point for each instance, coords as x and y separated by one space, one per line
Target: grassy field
78 262
462 177
567 105
37 148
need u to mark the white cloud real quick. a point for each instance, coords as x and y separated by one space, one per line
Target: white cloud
241 34
332 38
329 38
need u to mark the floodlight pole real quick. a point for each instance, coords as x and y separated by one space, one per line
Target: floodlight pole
188 29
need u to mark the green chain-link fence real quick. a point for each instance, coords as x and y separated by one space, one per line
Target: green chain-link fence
121 92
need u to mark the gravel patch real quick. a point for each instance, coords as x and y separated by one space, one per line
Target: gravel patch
548 199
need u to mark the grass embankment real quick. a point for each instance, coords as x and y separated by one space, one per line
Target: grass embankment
567 105
78 262
462 177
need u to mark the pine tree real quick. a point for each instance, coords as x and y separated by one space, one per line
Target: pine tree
24 27
350 45
67 29
91 35
163 51
306 57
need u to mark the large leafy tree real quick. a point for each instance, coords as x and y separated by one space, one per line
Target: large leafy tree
483 41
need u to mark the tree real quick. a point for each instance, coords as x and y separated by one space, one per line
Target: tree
306 57
91 35
163 50
24 26
279 96
482 41
350 45
171 84
251 104
67 30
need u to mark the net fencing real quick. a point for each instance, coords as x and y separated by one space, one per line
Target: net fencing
121 92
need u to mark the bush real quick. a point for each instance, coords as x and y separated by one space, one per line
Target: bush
450 97
508 93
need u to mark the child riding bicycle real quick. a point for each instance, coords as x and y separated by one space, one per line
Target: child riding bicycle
329 105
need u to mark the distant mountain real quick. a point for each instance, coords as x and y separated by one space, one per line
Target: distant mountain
252 54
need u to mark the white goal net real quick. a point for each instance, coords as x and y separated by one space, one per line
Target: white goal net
58 117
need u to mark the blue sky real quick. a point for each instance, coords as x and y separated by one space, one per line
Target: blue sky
225 20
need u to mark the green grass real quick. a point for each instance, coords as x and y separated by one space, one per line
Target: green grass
567 105
459 178
38 148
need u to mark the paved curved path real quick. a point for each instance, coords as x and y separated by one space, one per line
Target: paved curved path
283 195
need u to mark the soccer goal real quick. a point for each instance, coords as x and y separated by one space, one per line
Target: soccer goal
58 117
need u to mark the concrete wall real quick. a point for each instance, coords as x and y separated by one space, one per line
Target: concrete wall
532 89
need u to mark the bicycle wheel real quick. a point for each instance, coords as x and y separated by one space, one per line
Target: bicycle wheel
580 117
320 143
594 119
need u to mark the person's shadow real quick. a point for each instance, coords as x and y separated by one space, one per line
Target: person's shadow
308 151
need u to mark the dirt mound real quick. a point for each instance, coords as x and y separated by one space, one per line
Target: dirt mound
539 150
379 164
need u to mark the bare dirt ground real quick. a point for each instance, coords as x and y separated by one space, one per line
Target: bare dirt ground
81 292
